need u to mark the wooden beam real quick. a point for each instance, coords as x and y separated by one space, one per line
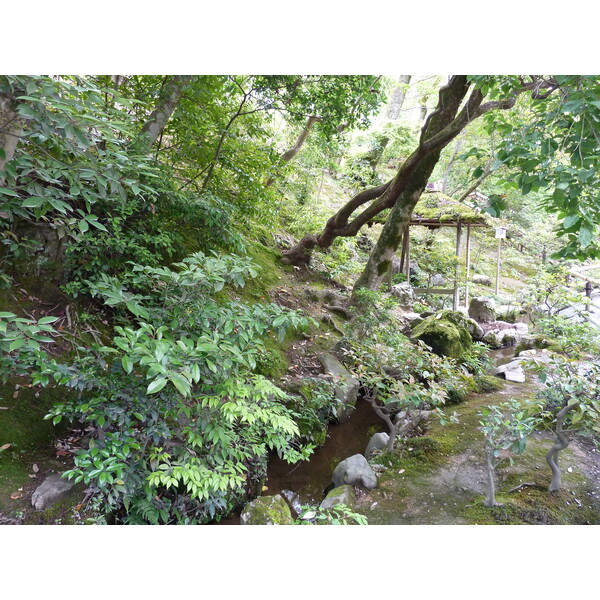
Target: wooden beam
584 277
433 291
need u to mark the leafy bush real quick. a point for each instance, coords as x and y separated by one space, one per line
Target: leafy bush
181 425
339 514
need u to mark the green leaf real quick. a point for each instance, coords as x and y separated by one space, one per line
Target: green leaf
8 192
181 383
156 385
46 320
570 221
18 343
586 237
33 202
128 365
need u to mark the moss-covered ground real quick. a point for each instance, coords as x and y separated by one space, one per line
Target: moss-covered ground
441 479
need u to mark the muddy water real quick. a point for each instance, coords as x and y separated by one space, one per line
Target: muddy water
309 479
502 356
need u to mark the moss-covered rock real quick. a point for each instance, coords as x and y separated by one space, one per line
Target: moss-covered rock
485 384
267 510
537 342
343 494
446 333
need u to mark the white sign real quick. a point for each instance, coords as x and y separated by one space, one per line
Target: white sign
500 232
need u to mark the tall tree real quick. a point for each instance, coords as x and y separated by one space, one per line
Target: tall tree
398 97
402 193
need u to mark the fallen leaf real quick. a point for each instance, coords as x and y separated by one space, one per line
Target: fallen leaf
35 468
401 471
265 488
62 453
16 395
5 447
16 495
79 507
3 407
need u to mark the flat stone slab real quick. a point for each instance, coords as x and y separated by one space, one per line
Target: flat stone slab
512 371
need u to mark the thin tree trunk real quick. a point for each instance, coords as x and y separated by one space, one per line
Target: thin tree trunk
388 420
291 153
459 143
490 499
398 97
561 443
287 156
169 97
10 130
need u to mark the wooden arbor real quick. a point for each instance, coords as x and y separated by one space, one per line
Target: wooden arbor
435 211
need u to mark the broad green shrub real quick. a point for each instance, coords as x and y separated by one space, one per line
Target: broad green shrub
181 424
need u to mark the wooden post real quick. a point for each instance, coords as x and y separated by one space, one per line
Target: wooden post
468 266
407 234
498 266
403 254
456 299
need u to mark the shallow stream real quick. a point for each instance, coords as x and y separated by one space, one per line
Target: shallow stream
305 483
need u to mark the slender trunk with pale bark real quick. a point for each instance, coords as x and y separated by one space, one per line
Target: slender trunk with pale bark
169 97
291 153
10 130
398 97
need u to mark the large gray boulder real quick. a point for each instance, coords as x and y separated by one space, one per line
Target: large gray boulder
438 280
343 494
346 385
404 293
354 471
482 309
266 510
52 490
377 442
